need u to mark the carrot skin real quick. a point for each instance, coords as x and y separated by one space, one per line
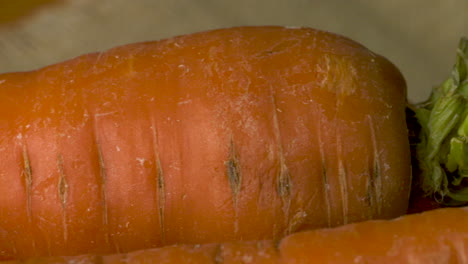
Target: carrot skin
438 236
248 133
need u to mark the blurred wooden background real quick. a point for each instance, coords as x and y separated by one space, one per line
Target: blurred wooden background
419 36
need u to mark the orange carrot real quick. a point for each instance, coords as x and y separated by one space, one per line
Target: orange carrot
246 133
439 236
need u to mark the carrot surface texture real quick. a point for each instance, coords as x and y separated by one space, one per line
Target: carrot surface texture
246 133
433 237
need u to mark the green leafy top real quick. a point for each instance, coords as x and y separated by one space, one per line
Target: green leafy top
443 148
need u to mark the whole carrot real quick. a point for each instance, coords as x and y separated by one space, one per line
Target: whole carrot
439 236
235 134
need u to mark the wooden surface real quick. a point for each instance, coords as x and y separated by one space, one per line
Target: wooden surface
419 36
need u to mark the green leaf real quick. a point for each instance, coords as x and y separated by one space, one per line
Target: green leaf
463 89
457 155
442 120
443 148
458 197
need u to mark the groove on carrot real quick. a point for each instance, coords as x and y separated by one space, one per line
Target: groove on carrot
343 179
28 180
102 188
342 170
161 190
283 179
325 182
284 191
370 189
63 194
101 180
27 176
233 171
326 192
161 199
375 176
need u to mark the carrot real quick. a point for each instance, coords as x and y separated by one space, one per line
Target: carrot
245 133
438 236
